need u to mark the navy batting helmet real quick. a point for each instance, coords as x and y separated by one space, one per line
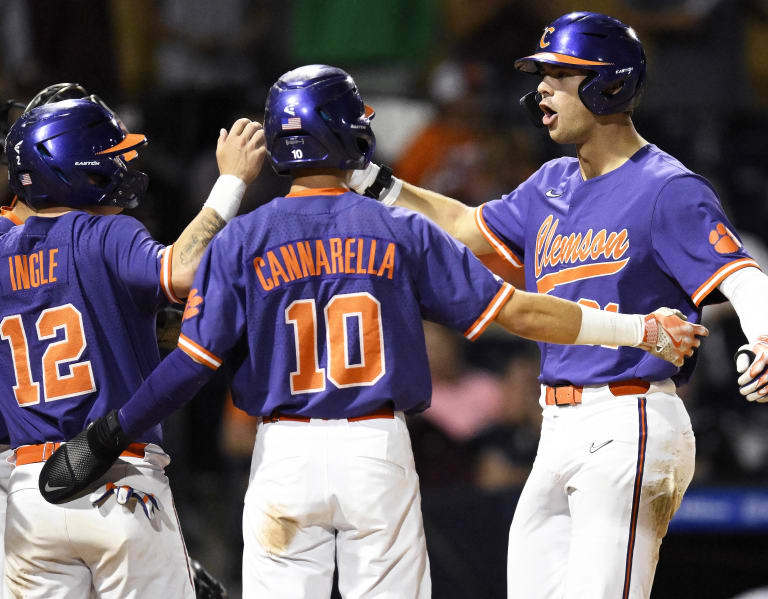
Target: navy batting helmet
69 154
315 118
605 47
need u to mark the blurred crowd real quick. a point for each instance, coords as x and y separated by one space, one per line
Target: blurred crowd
439 74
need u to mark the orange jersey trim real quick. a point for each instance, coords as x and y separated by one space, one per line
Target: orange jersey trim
166 272
497 244
320 191
5 212
720 275
566 59
198 353
489 314
576 273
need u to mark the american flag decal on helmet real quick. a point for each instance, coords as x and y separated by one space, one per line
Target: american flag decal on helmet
292 123
25 179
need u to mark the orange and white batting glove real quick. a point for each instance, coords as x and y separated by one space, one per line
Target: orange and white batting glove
752 364
668 335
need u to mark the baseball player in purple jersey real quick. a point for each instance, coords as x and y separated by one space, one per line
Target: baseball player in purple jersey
622 227
206 586
317 300
8 220
81 285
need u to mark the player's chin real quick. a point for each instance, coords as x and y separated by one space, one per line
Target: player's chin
558 134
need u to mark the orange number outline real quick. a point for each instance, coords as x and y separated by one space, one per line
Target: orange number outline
309 377
80 379
26 390
367 309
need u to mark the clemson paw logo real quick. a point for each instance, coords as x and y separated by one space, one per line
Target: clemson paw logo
723 240
193 301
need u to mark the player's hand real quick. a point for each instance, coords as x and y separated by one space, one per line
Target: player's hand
668 336
206 586
241 150
752 364
81 461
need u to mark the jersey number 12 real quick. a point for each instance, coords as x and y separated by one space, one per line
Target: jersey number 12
55 385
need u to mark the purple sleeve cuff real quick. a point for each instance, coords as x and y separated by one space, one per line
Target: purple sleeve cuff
174 382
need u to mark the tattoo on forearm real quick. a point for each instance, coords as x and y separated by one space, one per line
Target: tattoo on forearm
200 236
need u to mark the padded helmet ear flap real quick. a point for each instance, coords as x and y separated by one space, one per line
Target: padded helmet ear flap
530 102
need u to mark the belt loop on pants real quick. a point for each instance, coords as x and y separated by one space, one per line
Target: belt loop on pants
277 416
570 395
31 454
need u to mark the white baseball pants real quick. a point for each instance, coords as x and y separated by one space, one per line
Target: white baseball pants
5 473
334 489
111 551
609 475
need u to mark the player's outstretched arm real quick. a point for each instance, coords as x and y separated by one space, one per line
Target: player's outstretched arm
81 461
455 218
663 333
240 154
747 289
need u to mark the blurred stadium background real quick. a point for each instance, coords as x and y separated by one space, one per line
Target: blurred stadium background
439 73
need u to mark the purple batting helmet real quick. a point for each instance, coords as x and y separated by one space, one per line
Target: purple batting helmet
70 154
315 118
605 47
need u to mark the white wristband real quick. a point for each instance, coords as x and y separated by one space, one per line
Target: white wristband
389 197
599 327
360 179
225 196
747 289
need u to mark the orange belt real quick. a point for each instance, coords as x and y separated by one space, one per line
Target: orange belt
570 395
279 416
31 454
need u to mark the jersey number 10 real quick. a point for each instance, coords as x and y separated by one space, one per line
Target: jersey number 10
308 376
56 386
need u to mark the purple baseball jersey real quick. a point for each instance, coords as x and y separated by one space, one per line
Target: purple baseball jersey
317 300
650 233
77 321
7 222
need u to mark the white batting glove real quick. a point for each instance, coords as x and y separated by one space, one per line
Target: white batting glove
752 364
668 336
363 181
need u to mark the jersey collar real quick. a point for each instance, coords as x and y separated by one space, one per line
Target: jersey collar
5 211
320 191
